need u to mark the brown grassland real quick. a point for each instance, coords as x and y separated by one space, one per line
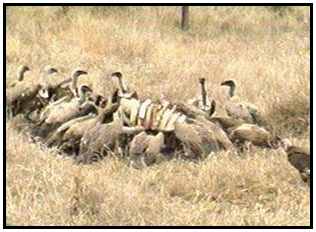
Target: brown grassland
266 50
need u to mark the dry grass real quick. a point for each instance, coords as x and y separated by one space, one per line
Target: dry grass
267 52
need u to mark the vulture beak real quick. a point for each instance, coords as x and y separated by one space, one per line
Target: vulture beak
44 93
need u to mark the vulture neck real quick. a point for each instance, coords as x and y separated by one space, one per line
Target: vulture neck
203 92
20 75
74 87
122 85
107 110
82 96
232 89
102 116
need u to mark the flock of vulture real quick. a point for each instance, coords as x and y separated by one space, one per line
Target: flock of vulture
88 126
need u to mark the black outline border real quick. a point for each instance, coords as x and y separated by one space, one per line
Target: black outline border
5 226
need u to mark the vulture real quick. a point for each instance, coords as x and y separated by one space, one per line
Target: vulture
20 97
23 96
238 109
73 88
20 75
227 123
70 133
194 112
202 101
27 97
65 111
123 90
200 137
102 139
98 99
253 134
41 100
145 148
49 84
52 89
13 91
299 158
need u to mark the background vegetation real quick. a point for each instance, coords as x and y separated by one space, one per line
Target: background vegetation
265 49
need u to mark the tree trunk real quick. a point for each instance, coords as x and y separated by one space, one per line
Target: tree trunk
185 18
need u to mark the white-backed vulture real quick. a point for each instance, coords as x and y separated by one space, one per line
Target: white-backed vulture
227 123
238 109
48 81
20 97
202 101
299 158
71 130
102 138
200 137
194 112
53 88
191 140
20 75
70 133
252 133
145 148
14 90
123 90
73 88
98 100
26 97
64 112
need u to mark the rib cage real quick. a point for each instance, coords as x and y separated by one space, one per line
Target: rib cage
150 115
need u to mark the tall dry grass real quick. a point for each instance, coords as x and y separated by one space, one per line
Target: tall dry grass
266 50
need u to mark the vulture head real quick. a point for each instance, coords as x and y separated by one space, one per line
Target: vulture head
21 70
232 86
